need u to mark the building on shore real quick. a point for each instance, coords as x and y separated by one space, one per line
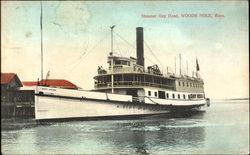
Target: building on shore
11 89
14 101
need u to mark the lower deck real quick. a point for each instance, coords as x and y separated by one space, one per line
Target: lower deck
147 94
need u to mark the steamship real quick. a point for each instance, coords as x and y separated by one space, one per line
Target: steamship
126 88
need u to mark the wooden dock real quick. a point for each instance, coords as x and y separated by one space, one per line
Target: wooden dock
22 110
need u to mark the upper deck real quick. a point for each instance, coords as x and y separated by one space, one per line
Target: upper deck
127 73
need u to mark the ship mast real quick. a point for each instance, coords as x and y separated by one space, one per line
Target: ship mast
41 25
111 54
112 27
175 65
180 63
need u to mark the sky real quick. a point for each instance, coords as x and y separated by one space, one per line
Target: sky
76 39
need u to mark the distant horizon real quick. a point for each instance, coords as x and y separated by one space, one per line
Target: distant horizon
230 98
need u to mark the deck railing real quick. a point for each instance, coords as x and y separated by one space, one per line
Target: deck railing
119 70
132 84
125 70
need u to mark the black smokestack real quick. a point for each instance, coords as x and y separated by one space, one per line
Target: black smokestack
139 46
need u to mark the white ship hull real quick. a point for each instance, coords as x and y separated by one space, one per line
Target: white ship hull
56 103
56 108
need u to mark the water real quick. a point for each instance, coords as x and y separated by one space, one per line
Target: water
224 128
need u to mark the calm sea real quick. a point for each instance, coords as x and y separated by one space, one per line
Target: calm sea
224 128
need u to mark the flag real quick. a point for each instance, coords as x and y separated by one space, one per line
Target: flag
48 74
197 65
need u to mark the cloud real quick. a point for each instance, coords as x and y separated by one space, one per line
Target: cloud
72 16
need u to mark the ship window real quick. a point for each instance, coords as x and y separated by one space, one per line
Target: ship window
184 96
118 62
125 63
173 96
178 96
155 94
167 95
149 93
162 94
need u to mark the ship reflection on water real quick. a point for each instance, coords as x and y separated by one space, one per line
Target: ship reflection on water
153 134
156 136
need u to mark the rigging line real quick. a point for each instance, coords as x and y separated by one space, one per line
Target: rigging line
124 41
75 66
86 47
150 60
117 46
153 54
129 51
82 54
